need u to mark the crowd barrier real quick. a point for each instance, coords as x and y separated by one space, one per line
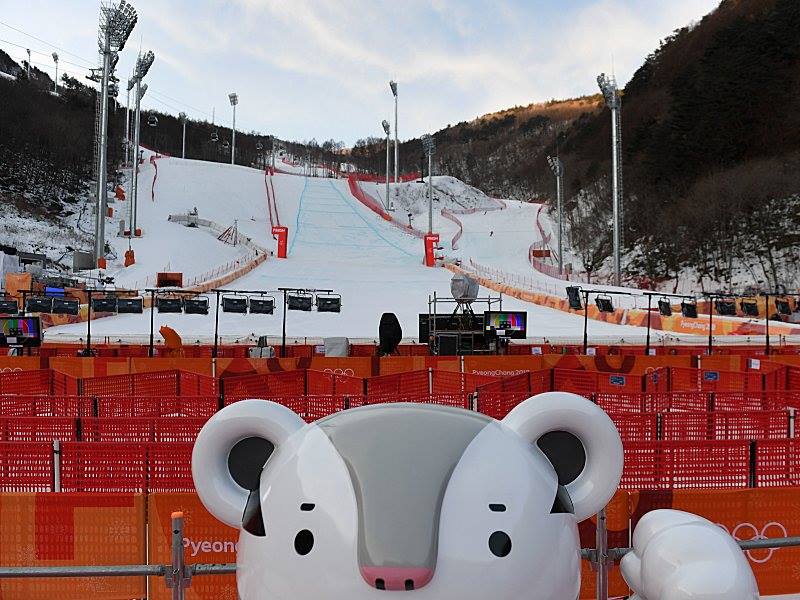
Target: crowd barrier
48 529
105 349
150 454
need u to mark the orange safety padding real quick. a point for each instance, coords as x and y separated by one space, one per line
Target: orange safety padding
502 366
9 364
230 367
206 540
48 529
200 366
351 367
17 282
391 365
90 367
746 514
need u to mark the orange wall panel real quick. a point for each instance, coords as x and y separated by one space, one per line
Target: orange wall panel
206 540
47 529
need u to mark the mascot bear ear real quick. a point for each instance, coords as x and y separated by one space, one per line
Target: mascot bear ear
231 451
581 442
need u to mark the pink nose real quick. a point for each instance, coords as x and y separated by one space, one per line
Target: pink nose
397 578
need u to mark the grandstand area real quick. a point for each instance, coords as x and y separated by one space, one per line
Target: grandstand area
111 438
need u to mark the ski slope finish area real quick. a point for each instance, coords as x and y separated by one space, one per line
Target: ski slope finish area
334 243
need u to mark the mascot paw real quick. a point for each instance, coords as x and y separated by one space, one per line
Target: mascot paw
680 556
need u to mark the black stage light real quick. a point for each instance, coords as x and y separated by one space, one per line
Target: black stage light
169 305
39 304
195 306
104 305
689 309
66 306
329 304
9 307
783 306
130 306
299 302
725 308
234 304
604 304
749 308
665 308
262 306
574 297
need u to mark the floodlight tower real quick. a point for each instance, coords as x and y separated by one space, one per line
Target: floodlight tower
143 64
429 145
55 81
393 87
558 170
183 144
116 24
234 98
131 85
614 101
387 128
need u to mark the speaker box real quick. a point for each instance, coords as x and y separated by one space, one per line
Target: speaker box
447 344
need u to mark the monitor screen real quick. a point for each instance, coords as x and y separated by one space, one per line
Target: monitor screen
20 331
506 324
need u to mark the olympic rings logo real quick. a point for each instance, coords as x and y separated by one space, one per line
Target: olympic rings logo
745 529
346 372
10 370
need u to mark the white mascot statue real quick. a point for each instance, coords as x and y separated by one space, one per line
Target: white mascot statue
444 503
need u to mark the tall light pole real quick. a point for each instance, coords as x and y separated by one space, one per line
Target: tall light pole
429 145
143 64
393 87
116 24
614 102
234 98
387 128
131 85
558 170
55 81
183 144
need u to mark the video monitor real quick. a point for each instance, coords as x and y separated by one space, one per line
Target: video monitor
23 332
508 324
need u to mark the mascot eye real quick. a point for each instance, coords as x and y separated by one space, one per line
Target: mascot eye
304 542
500 544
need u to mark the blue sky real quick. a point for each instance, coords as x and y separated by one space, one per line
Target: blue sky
314 68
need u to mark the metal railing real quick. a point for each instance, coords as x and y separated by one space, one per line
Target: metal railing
178 575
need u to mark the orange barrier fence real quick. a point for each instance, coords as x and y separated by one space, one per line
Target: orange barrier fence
46 529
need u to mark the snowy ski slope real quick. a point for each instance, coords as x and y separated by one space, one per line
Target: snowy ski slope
334 242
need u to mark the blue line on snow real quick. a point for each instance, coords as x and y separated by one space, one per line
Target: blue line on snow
368 224
297 220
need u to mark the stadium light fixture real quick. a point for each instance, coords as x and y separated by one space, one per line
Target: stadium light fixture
300 299
602 300
234 99
143 64
429 145
55 81
558 170
131 85
182 117
393 87
608 86
388 130
665 309
116 24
